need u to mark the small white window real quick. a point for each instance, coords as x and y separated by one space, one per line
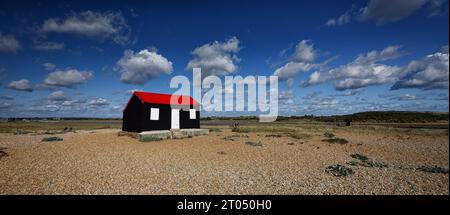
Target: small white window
154 113
192 114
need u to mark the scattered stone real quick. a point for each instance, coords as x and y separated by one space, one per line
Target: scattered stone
339 170
433 169
291 144
251 143
221 153
52 139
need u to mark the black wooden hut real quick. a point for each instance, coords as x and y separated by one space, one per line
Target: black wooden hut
154 111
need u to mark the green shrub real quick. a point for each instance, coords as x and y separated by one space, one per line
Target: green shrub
365 161
337 141
52 139
329 135
298 136
273 135
215 130
433 169
339 170
251 143
150 139
359 157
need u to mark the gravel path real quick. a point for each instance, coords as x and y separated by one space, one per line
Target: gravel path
101 162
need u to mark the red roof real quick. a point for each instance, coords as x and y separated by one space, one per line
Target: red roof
168 99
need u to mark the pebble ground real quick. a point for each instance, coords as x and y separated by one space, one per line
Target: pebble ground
101 162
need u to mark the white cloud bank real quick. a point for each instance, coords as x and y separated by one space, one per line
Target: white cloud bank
98 25
67 78
217 58
388 11
364 71
20 85
301 60
9 44
138 68
430 72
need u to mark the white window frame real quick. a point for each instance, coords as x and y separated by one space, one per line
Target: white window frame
154 113
192 114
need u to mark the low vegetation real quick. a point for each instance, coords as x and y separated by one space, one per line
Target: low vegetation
336 140
234 137
150 139
433 169
215 130
51 139
331 138
362 160
20 132
273 135
252 143
62 125
262 129
329 135
339 170
298 136
2 152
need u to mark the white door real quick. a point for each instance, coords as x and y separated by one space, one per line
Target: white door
175 119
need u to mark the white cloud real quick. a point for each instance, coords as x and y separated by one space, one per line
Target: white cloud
52 108
67 78
386 11
134 90
290 69
6 97
73 102
99 25
57 96
20 85
304 52
341 20
8 44
350 92
427 73
98 102
4 105
364 71
49 46
49 66
389 11
300 61
138 68
217 58
444 49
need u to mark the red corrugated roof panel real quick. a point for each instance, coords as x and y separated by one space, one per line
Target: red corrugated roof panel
159 98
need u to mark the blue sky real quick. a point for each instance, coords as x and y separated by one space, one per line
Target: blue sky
64 58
